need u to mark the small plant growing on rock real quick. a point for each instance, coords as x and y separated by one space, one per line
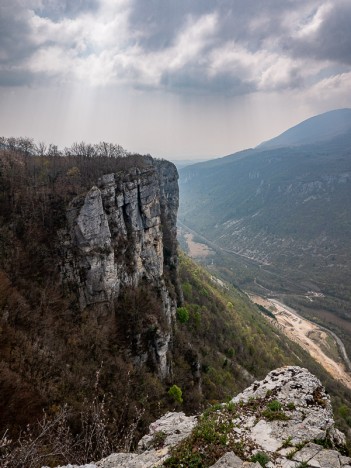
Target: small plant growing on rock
210 439
274 411
287 442
326 443
159 439
260 457
290 455
231 407
274 405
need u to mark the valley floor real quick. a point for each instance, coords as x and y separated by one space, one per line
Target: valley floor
319 342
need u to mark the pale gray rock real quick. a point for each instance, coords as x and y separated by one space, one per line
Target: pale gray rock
123 232
305 404
261 434
291 384
229 460
285 463
91 227
344 461
148 459
325 459
307 452
174 426
89 465
116 231
311 408
122 460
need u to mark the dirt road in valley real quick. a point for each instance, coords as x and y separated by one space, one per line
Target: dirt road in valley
323 345
314 339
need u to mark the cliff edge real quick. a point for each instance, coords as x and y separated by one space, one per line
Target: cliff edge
120 234
283 421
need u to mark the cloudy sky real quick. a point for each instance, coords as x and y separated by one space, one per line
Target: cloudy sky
174 78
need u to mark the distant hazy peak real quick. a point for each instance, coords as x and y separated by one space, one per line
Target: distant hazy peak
316 129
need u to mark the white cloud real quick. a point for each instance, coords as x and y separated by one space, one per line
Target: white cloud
192 40
333 87
264 69
313 24
101 48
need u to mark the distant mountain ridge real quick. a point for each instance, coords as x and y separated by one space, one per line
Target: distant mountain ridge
316 129
287 208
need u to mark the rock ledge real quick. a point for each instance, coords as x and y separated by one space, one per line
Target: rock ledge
283 421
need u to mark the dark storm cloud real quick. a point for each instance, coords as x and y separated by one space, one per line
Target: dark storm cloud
14 78
159 20
332 40
57 10
14 30
193 81
250 24
14 44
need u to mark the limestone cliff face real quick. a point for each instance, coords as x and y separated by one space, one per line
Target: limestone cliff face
122 232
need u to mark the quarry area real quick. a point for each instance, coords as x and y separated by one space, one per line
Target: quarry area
320 343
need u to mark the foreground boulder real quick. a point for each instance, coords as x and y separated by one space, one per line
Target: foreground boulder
283 421
293 407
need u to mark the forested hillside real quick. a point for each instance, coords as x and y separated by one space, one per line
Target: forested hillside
104 367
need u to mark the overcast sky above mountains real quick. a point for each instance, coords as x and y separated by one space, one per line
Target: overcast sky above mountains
173 78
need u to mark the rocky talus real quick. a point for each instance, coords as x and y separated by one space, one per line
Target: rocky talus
283 421
121 233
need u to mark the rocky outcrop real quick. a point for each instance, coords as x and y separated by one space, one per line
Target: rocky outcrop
121 233
308 411
283 421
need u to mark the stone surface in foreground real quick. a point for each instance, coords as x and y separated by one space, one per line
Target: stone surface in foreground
282 417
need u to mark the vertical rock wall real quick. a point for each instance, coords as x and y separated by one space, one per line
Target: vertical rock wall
121 232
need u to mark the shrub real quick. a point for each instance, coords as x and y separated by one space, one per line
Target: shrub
261 458
274 405
159 439
176 393
183 314
275 415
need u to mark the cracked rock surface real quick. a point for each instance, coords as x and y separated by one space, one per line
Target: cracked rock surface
120 234
281 418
